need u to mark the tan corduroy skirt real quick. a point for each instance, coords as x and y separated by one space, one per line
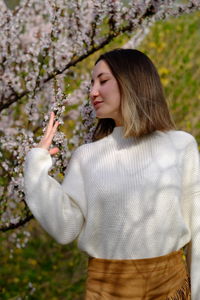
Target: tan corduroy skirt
164 277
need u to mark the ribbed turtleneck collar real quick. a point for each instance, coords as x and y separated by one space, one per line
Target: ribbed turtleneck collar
118 130
118 133
118 137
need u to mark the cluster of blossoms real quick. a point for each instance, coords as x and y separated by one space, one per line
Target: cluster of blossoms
39 42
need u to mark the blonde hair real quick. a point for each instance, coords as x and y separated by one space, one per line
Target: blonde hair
143 105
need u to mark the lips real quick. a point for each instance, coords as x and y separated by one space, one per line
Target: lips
96 103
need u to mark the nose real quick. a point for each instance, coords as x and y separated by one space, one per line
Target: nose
94 92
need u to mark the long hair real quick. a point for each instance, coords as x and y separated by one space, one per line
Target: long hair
143 105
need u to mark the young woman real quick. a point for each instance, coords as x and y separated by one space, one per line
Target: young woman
132 196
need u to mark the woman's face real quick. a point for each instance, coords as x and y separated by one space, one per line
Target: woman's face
105 93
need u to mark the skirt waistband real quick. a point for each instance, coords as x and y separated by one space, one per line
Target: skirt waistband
173 259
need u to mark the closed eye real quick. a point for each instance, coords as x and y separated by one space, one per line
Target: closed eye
103 81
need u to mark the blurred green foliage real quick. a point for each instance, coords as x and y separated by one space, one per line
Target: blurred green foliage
42 270
173 46
11 3
58 272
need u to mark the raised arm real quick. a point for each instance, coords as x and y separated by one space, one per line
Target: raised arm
58 207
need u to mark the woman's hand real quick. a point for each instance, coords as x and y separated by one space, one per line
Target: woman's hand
46 140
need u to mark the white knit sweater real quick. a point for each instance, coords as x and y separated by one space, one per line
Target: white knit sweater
123 198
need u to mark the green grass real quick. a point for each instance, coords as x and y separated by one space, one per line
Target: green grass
55 271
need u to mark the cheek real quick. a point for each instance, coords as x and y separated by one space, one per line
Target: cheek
111 90
115 88
116 93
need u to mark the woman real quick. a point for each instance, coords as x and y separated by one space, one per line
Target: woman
132 196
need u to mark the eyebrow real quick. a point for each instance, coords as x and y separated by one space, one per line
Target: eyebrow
102 73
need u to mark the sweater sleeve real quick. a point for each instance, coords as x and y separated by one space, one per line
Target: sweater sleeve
58 207
191 192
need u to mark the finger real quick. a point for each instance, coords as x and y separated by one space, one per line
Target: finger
53 151
50 124
49 134
53 131
47 140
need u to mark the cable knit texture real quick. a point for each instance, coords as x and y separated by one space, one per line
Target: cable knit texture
123 198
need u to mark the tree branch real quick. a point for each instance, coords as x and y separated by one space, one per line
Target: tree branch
18 224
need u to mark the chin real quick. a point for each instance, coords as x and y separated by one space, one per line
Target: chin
102 115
